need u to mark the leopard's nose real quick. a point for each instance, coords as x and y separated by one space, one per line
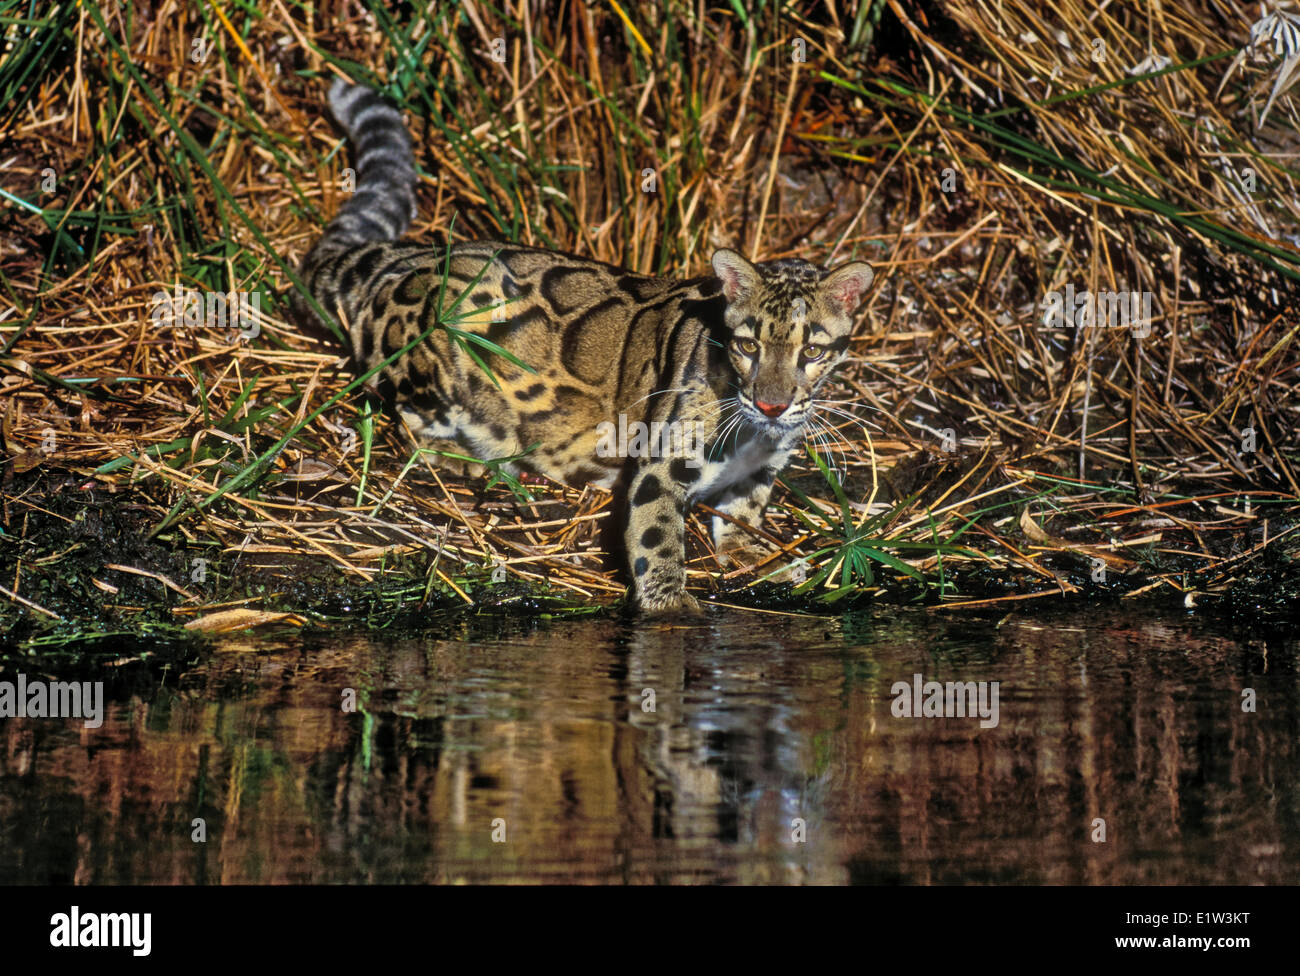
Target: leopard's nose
772 410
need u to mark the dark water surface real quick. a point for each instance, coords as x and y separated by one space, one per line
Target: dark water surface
772 754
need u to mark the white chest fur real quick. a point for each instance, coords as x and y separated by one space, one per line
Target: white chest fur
749 458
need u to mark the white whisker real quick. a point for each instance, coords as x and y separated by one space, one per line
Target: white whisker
671 389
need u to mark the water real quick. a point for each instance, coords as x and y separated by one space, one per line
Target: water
772 754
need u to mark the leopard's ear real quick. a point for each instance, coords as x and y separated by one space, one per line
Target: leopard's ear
847 285
738 275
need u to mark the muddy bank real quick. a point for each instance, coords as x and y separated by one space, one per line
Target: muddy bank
83 564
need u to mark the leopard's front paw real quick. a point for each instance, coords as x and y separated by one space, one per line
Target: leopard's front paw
795 571
684 606
767 565
743 557
664 593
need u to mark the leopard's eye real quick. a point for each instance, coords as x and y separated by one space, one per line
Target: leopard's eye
813 353
746 346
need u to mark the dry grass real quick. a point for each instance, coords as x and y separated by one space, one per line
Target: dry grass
975 152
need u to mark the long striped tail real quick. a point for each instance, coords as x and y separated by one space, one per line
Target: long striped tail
383 204
380 208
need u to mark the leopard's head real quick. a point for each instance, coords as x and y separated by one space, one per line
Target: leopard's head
789 322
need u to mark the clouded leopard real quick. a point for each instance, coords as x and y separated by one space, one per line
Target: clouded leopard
714 376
